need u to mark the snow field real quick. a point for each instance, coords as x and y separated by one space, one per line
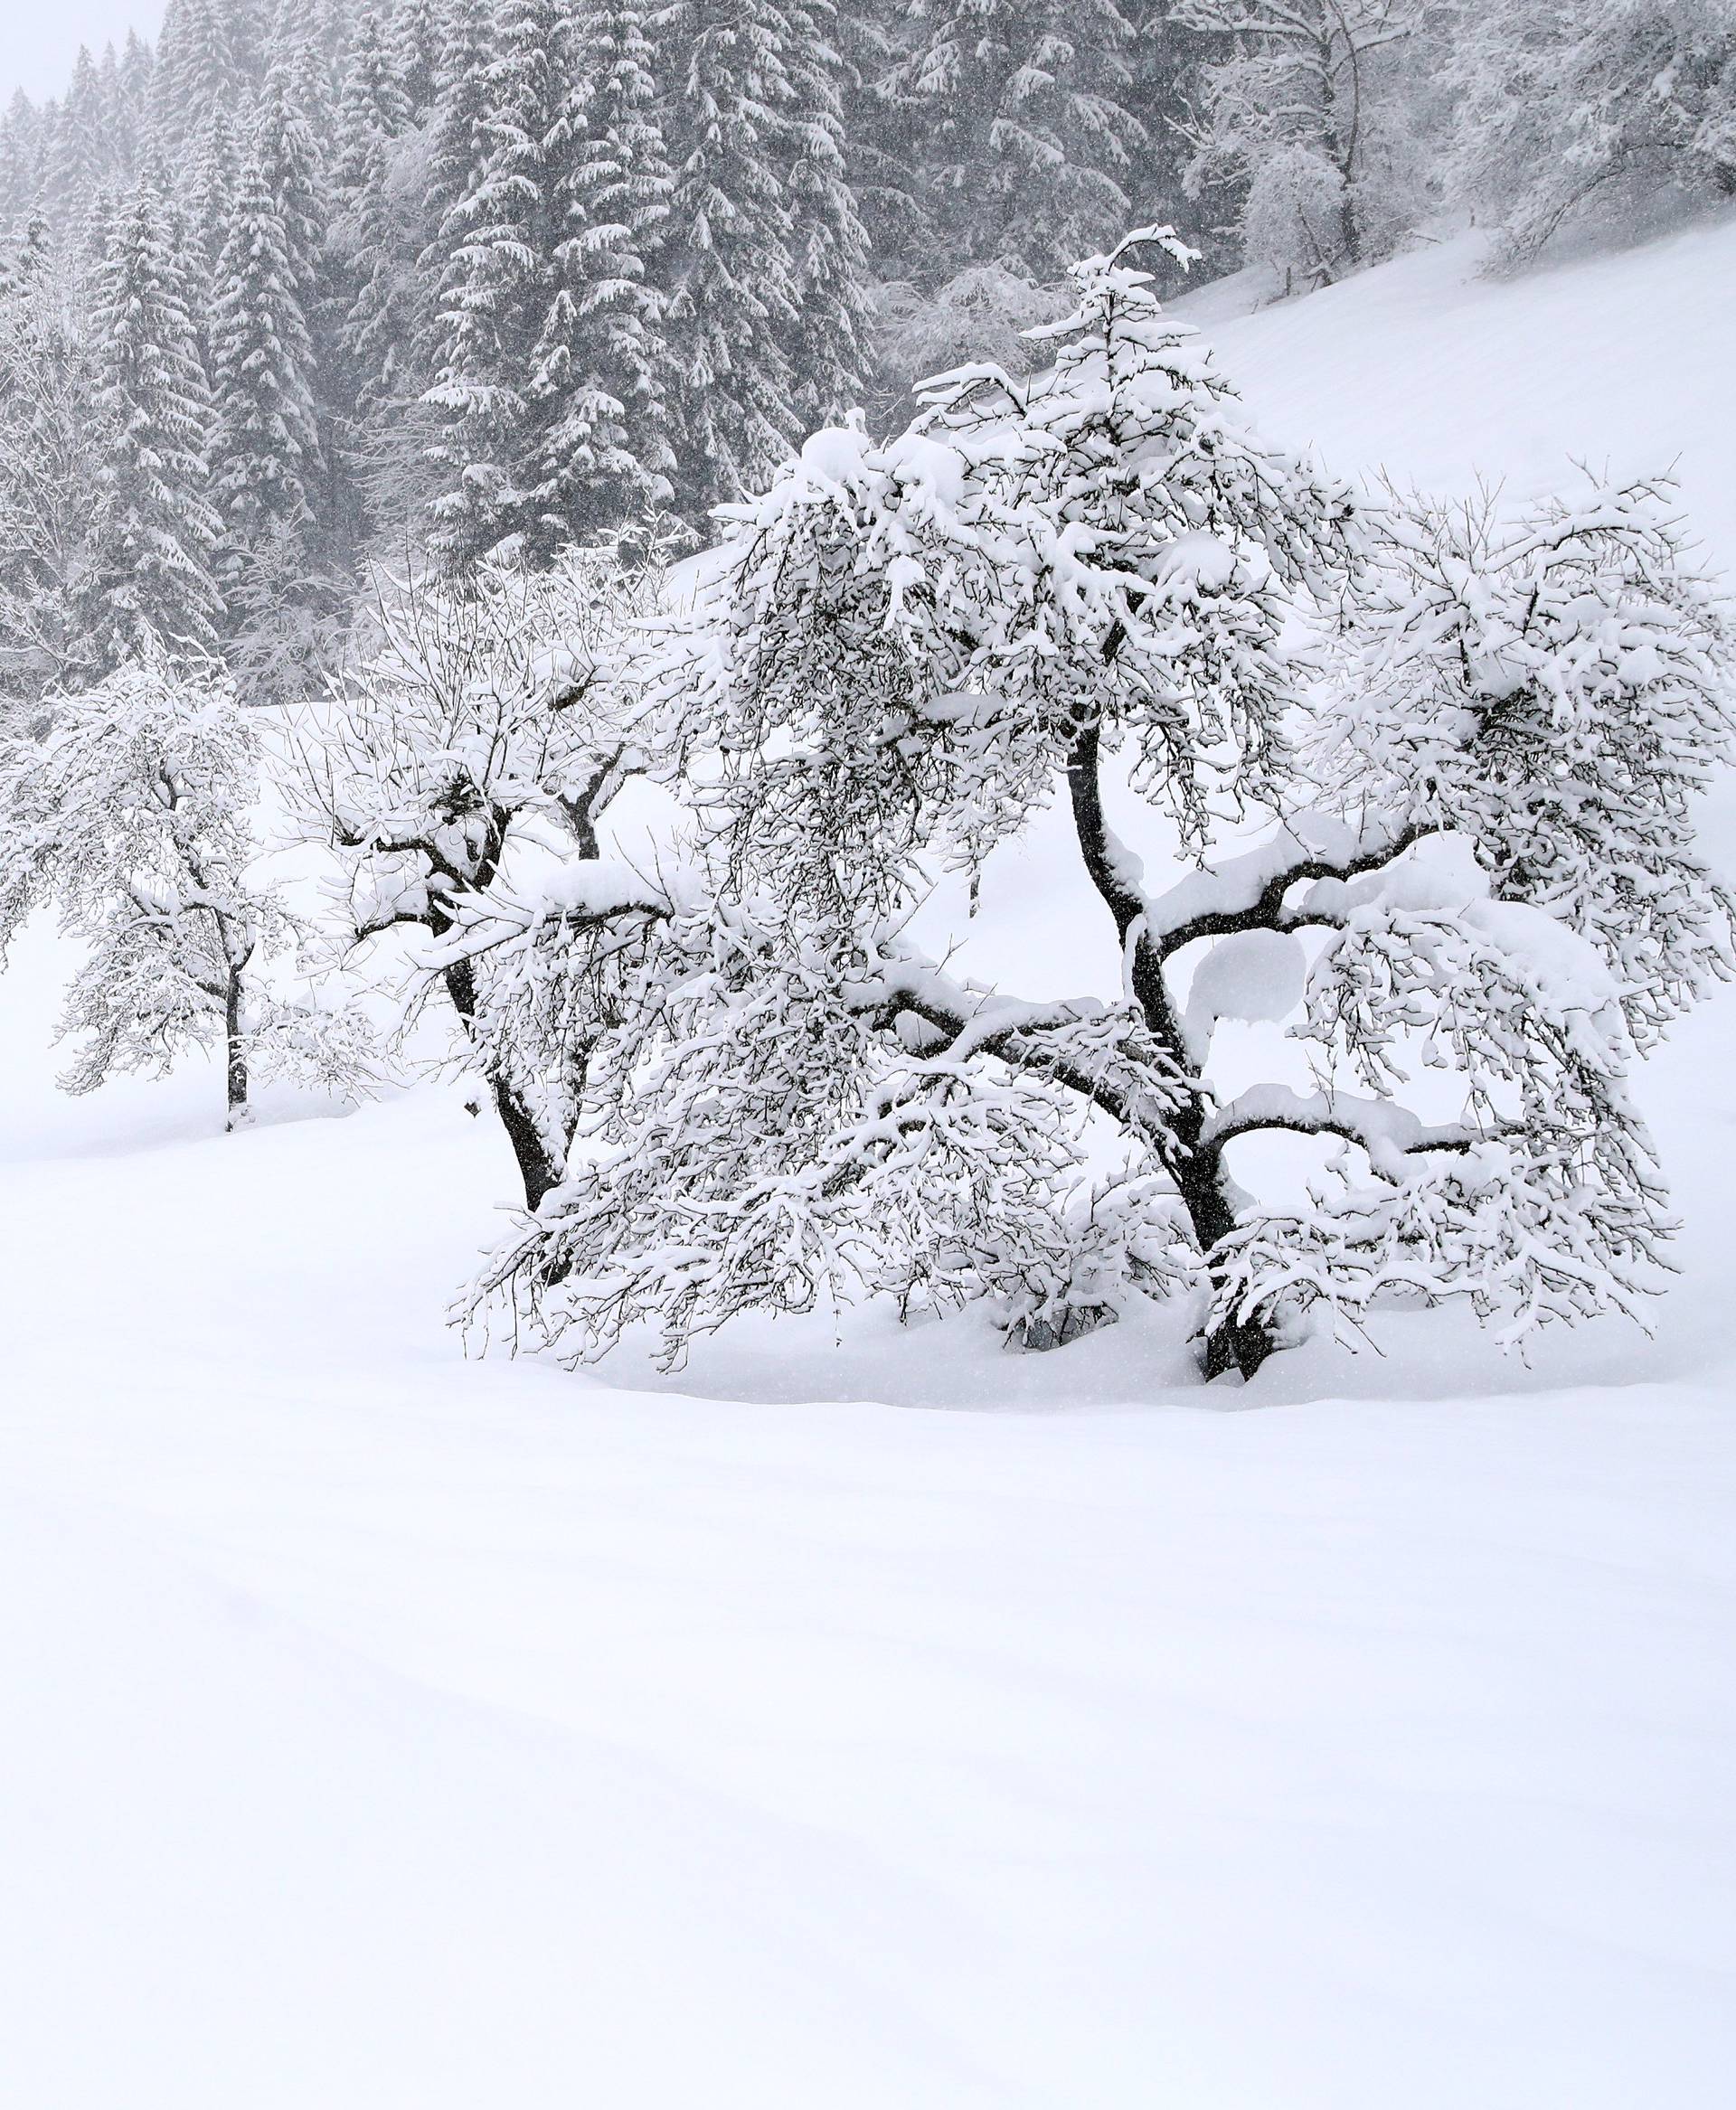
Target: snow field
388 1729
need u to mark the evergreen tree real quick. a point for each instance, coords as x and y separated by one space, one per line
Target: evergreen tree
827 346
378 250
21 158
460 139
292 116
373 111
215 171
1025 137
499 328
49 460
415 38
155 528
728 269
138 71
602 374
195 72
268 440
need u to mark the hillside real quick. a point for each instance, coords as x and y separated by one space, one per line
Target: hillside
394 1728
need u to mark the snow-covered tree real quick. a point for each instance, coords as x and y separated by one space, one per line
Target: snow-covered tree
605 378
129 817
267 453
1094 589
1025 138
551 382
1299 126
415 40
195 72
154 526
983 312
503 316
51 456
828 348
85 142
374 108
1576 100
470 756
729 265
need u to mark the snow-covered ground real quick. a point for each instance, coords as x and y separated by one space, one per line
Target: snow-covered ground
379 1728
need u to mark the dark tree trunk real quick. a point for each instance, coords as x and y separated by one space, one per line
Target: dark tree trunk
235 1054
1196 1167
536 1167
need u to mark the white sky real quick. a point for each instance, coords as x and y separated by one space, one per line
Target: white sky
40 39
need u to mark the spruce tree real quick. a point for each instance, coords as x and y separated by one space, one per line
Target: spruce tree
728 266
502 331
1025 137
83 140
50 459
379 324
21 158
415 38
268 440
155 528
215 170
195 72
138 71
828 345
372 110
293 115
602 366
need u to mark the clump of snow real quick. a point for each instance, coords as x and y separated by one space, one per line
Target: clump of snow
835 455
1253 976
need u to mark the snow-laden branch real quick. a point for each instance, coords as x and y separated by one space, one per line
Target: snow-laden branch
1388 1132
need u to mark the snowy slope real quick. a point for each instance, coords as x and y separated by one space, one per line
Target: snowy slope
384 1730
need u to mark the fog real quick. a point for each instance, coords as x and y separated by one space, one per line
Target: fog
41 38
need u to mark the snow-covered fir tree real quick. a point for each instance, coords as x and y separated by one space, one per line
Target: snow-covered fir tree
154 526
502 316
730 267
1065 591
267 451
605 381
50 457
416 43
195 72
553 393
1027 141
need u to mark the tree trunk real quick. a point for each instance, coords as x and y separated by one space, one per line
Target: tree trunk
235 1056
536 1167
1196 1168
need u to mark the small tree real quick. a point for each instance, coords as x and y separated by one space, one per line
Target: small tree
477 746
129 816
1093 585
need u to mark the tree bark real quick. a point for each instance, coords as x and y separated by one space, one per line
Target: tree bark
536 1167
235 1055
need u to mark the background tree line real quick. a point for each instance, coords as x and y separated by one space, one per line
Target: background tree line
305 284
